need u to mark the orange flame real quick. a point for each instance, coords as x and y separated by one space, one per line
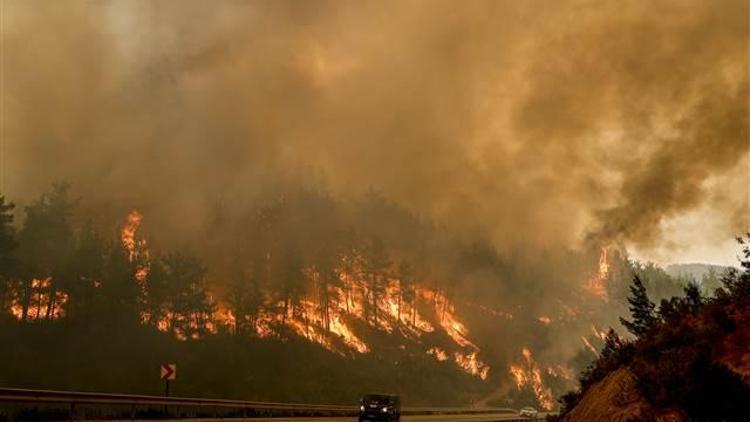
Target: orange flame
440 354
127 235
529 374
40 302
596 284
137 249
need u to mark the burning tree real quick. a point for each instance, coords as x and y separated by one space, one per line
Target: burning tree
46 241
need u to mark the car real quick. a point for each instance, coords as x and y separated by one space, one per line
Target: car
528 412
380 407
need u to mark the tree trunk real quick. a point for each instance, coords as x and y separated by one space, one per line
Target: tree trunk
51 302
26 301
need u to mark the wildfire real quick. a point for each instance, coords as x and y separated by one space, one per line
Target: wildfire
545 320
471 364
137 249
529 374
440 354
596 284
42 302
560 371
350 300
602 335
589 346
127 235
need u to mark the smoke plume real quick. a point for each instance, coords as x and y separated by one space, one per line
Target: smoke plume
537 124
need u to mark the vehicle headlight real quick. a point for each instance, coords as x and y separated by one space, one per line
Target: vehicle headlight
385 409
362 408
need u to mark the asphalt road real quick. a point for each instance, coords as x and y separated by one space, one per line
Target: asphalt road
420 418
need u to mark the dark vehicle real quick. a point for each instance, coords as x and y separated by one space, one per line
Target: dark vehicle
380 407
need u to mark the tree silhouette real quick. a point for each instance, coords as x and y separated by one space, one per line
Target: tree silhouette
376 265
46 241
245 300
190 307
87 269
641 309
8 246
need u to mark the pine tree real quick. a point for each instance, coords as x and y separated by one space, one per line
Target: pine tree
641 309
46 243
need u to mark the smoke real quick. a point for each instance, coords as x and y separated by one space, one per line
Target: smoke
538 124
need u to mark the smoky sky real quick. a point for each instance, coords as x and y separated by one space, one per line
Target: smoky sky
538 123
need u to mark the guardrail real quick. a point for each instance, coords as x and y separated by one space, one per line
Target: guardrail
237 408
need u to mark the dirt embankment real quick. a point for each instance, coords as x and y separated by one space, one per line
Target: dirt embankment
616 398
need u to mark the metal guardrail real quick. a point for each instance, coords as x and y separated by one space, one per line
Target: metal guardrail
74 398
51 396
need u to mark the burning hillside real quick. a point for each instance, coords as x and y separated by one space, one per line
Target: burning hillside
339 311
335 285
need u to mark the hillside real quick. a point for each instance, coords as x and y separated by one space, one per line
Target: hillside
689 360
383 299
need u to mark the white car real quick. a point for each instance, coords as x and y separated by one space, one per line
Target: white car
528 412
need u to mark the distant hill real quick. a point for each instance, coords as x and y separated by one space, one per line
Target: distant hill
694 270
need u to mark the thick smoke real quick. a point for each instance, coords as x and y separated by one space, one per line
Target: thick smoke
536 123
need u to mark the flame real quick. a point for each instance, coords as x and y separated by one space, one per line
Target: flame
40 302
440 354
602 335
545 320
471 364
529 374
127 235
349 298
560 371
589 346
468 358
596 284
137 249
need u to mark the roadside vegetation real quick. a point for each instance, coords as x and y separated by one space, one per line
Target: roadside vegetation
688 354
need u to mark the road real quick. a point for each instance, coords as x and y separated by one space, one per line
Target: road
417 418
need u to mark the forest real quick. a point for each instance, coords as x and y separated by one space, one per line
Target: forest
303 289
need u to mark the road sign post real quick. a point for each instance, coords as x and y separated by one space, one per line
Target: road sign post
168 373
